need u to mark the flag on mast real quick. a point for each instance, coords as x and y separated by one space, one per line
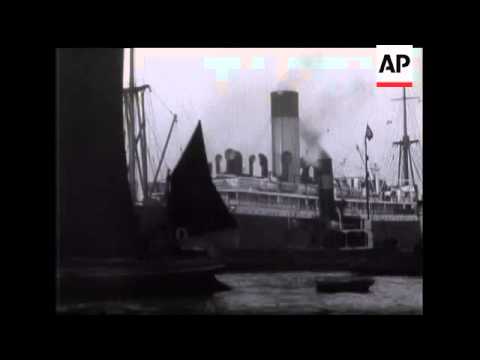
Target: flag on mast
369 133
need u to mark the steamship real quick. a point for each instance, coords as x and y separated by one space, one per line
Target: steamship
302 206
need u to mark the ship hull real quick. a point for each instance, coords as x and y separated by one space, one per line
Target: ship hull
276 232
273 243
402 234
270 232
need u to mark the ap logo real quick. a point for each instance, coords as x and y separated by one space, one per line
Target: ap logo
394 65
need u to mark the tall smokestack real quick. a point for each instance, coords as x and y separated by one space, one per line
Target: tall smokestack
251 160
262 159
218 159
234 162
285 135
325 188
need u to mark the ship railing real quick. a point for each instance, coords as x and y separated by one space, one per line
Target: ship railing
270 205
375 200
377 210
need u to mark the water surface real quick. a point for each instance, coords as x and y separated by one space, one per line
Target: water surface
275 293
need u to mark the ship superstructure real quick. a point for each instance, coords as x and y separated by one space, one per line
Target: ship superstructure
292 205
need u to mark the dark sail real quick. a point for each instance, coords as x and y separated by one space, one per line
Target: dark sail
193 200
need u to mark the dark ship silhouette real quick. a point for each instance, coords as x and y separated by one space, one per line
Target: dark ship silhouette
101 249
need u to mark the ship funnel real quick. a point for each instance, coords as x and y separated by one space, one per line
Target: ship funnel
324 178
251 161
285 135
218 160
234 162
263 165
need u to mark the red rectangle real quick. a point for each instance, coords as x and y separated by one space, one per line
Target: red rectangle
394 84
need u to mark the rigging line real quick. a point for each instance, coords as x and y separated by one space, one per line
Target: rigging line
153 157
419 165
418 121
152 109
157 146
386 144
162 102
152 132
419 177
416 151
398 118
388 155
415 166
387 173
148 123
154 92
416 127
420 145
391 165
388 160
150 158
420 161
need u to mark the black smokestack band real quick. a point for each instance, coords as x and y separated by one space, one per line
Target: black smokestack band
284 104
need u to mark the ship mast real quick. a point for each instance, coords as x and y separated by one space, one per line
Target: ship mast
131 131
135 118
405 156
367 184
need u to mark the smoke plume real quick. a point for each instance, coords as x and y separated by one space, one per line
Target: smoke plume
311 139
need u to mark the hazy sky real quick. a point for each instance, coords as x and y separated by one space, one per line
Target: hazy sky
229 91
